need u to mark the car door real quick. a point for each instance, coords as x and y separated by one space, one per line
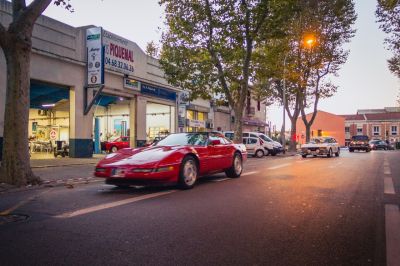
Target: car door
216 152
124 142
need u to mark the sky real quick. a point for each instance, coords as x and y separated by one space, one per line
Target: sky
364 80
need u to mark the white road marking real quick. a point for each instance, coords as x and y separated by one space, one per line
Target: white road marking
250 173
221 179
386 171
112 204
388 185
392 225
386 163
279 166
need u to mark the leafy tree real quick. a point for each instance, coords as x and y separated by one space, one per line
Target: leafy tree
152 49
310 51
16 42
209 45
388 13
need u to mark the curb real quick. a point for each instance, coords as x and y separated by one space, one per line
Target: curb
61 165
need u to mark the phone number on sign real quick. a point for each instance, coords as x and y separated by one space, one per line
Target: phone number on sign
118 64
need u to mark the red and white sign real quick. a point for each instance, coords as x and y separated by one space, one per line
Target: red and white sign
119 55
53 134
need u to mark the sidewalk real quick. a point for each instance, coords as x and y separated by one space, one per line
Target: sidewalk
59 162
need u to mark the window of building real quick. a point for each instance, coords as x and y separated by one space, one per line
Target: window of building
376 130
201 116
190 114
258 105
347 129
394 130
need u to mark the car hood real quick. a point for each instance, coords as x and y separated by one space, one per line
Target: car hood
142 156
277 144
314 145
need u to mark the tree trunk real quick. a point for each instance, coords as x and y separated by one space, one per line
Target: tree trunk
238 126
293 131
308 133
15 167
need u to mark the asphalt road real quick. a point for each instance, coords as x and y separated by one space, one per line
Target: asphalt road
282 211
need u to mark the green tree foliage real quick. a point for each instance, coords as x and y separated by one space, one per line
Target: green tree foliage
208 46
311 51
388 13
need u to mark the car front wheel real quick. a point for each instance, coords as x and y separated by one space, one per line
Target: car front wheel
237 167
188 173
337 153
259 154
114 149
330 153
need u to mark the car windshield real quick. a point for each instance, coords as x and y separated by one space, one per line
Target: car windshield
266 138
360 138
319 140
199 139
115 138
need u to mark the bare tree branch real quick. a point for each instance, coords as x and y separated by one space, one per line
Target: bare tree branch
18 6
217 62
3 36
29 15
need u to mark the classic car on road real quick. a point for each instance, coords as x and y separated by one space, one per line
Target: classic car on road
177 159
359 143
321 146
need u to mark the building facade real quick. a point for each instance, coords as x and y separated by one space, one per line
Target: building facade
135 101
383 124
325 124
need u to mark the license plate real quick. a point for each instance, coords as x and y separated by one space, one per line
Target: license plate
118 172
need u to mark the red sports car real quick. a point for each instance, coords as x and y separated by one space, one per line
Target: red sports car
177 159
116 144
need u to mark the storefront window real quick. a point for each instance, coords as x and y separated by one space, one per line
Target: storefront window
190 114
201 116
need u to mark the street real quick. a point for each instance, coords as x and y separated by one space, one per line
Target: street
281 211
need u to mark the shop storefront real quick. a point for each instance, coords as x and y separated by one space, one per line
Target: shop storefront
49 117
81 96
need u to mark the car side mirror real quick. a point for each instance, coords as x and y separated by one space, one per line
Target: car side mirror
215 142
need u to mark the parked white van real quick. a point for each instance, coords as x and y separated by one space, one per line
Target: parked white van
271 147
254 147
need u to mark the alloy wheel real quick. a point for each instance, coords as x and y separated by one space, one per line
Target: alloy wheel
189 172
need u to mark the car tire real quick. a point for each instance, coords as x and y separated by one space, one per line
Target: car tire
259 154
113 149
351 150
368 150
188 173
330 153
304 155
267 152
236 168
337 153
273 153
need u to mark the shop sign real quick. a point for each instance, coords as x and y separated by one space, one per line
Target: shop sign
119 55
95 57
196 123
157 92
181 115
183 97
53 134
131 84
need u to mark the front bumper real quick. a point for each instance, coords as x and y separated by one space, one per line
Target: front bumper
125 173
314 151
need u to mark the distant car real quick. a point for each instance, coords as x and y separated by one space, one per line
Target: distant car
321 146
360 143
177 159
378 145
271 147
116 144
254 146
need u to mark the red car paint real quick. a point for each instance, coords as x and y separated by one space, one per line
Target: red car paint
119 143
119 166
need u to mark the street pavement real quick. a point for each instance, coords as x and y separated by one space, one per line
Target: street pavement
282 211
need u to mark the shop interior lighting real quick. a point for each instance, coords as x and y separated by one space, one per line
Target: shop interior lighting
49 105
